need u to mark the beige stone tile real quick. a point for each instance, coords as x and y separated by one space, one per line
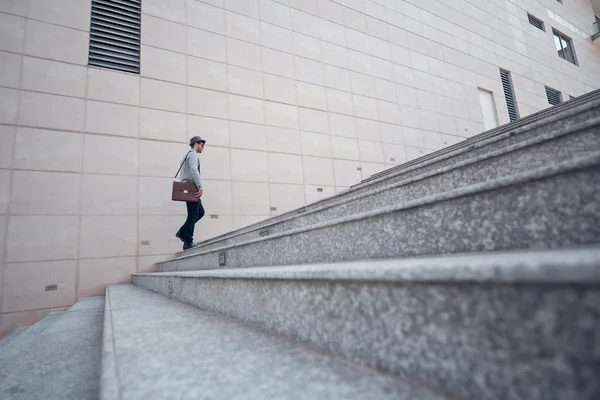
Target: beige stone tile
24 285
160 158
60 193
312 96
10 321
109 195
309 71
346 172
110 155
335 55
206 45
365 107
362 84
162 64
113 86
15 7
285 168
250 198
241 221
287 197
279 89
50 111
41 237
369 169
155 199
331 11
205 17
48 150
274 13
371 151
276 37
9 105
306 46
315 144
246 109
316 193
206 74
163 95
391 133
108 236
242 27
342 125
245 81
56 42
163 34
12 33
214 130
248 165
95 274
277 62
313 120
318 171
160 231
283 140
340 102
217 197
148 263
367 129
163 125
413 153
346 148
7 139
173 10
248 136
112 119
210 227
53 77
4 191
216 163
243 54
207 102
394 154
281 115
246 7
305 23
332 32
10 65
68 13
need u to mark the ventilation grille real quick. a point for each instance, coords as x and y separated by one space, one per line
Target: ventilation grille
509 95
115 34
535 22
553 96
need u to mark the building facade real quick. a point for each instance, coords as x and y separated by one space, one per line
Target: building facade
297 99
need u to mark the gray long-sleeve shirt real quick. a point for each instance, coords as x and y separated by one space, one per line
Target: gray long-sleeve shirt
190 171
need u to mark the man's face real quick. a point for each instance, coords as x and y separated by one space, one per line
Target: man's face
199 147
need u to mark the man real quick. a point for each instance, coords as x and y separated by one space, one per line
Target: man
190 172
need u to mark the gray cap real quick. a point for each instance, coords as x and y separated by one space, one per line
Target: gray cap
196 139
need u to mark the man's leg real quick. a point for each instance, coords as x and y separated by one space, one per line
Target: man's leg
187 231
200 211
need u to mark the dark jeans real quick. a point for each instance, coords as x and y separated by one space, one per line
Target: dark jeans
195 212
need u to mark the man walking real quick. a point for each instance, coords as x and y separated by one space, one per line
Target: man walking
190 172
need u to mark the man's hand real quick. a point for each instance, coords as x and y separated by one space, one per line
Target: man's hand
198 194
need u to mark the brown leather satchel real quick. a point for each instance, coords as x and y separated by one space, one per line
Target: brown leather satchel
184 191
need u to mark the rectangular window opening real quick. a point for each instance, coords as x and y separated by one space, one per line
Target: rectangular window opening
509 95
554 96
536 22
115 35
564 47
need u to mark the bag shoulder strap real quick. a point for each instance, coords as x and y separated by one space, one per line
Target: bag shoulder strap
183 162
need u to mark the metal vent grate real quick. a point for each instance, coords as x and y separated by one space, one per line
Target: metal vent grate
553 96
509 95
115 34
535 22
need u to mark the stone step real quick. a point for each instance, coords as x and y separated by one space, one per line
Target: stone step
581 117
547 116
27 338
163 349
506 325
63 363
7 340
550 207
506 161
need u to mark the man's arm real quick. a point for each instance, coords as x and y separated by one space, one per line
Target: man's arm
192 164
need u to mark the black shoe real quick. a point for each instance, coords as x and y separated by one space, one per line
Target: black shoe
188 246
178 236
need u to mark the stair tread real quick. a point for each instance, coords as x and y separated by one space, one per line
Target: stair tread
574 265
166 349
62 364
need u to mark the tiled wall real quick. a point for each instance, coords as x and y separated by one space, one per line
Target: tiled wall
298 100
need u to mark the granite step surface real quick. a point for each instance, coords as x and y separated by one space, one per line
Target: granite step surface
550 207
164 349
63 363
487 326
8 339
580 119
508 161
27 338
544 117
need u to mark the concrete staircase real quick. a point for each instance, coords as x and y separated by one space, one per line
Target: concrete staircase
471 273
